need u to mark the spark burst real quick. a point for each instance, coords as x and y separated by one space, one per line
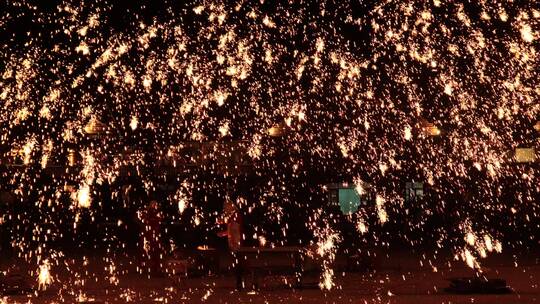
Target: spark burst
378 94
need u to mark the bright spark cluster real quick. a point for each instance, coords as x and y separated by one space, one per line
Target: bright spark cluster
310 92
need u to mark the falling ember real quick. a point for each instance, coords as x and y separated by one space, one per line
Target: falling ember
147 82
379 201
471 239
498 247
381 212
198 10
526 33
27 150
182 205
407 133
133 123
83 196
383 216
326 249
224 129
326 245
488 243
44 276
361 227
448 89
268 22
83 49
470 259
220 98
262 241
359 188
383 168
327 282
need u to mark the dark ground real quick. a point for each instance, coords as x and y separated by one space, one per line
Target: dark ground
399 278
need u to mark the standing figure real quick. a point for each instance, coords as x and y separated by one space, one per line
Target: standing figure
233 219
151 237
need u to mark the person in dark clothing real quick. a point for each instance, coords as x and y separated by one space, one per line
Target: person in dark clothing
151 237
233 219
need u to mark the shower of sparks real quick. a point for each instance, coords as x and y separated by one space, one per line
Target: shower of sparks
327 241
134 122
44 278
306 92
83 196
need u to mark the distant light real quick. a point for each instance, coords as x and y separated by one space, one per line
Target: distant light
133 123
525 155
204 248
83 196
71 158
94 127
537 126
277 130
430 129
435 131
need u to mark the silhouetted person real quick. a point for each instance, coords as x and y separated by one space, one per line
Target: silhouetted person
151 237
233 219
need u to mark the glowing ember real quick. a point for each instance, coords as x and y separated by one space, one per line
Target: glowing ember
44 276
526 33
83 196
133 123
